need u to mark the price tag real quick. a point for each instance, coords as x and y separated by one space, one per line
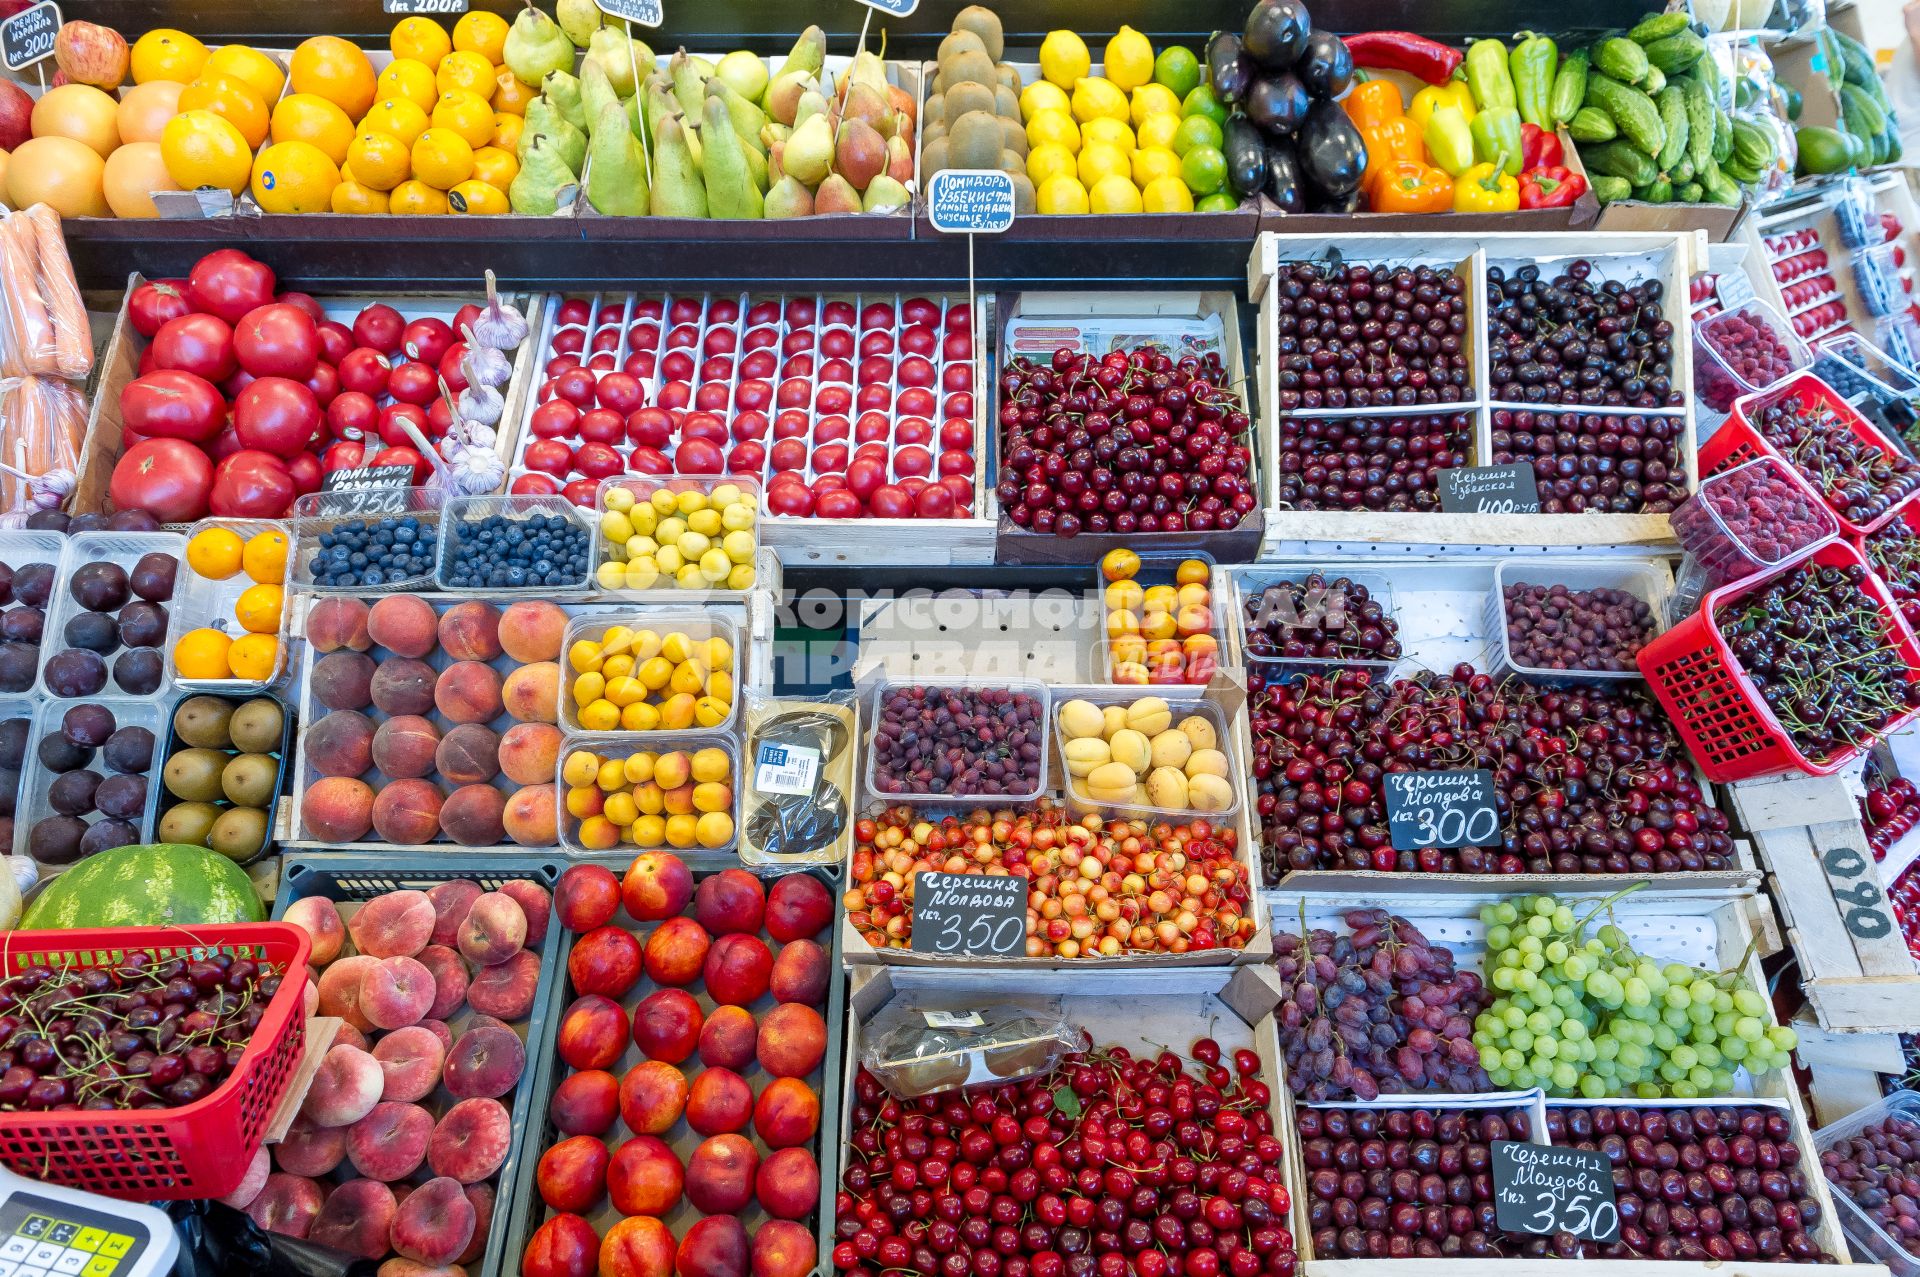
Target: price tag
1856 890
1489 490
786 769
1544 1190
1441 809
27 36
970 201
974 914
368 478
1733 289
400 7
647 13
896 8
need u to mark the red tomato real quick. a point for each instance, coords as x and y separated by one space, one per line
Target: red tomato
549 456
277 416
838 503
304 303
336 340
865 475
169 477
414 383
597 461
306 473
225 446
535 485
889 502
649 461
933 502
584 493
379 326
601 425
450 370
402 456
324 382
366 370
155 302
251 485
277 341
347 454
233 385
426 340
228 283
173 405
794 500
199 344
554 419
390 421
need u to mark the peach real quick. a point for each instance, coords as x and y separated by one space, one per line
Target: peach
389 1143
436 1221
676 951
449 980
714 1247
533 631
605 961
720 1175
480 1196
585 1103
529 753
737 969
451 900
531 693
644 1177
404 624
467 755
782 1248
533 816
407 812
787 1113
347 1035
653 1095
485 1063
658 885
404 747
587 896
411 1059
345 1087
340 990
438 1027
252 1180
398 924
310 1150
470 1142
666 1025
536 902
637 1247
403 686
592 1033
572 1175
334 623
396 992
507 990
319 917
400 1267
473 816
344 680
310 996
730 901
337 809
341 744
728 1038
357 1218
468 692
793 1040
287 1205
567 1246
801 973
798 907
494 929
788 1184
471 631
719 1102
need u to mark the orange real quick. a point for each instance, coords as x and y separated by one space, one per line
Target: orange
405 78
416 197
204 149
231 100
215 553
483 33
466 115
506 132
510 96
202 653
476 197
351 197
166 54
133 174
310 118
494 166
467 72
265 558
397 117
253 657
337 71
379 160
146 108
442 159
249 66
83 113
259 607
294 177
421 39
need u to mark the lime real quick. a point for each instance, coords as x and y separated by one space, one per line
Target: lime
1218 202
1194 131
1203 102
1178 69
1203 169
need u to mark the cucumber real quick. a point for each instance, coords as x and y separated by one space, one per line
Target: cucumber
1591 124
1700 121
1621 159
1673 114
1632 111
1676 53
1622 59
1659 26
1607 189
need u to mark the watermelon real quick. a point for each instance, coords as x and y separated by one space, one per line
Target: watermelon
157 885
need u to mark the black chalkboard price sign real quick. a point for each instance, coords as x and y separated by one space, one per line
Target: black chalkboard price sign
1544 1190
28 35
1441 809
646 12
1489 490
399 7
971 914
368 479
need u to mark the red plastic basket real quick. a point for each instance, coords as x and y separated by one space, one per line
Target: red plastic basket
1720 716
1908 514
200 1149
1739 440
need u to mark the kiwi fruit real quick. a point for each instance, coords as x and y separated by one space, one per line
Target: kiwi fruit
968 67
1014 137
204 722
248 780
935 110
239 833
1006 101
1022 194
984 23
974 141
1009 75
932 133
956 42
188 823
257 726
194 774
933 155
965 98
1011 163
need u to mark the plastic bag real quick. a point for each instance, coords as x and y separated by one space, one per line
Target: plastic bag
918 1049
43 421
43 323
799 777
217 1240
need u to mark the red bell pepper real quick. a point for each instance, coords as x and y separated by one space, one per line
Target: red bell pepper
1551 187
1404 51
1539 148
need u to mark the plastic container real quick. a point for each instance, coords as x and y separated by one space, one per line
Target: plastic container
1876 277
1870 1243
1644 581
1857 369
1379 589
161 800
666 588
1899 335
319 513
18 548
462 512
1856 214
200 1149
696 625
1159 568
125 549
1719 715
625 746
20 709
1077 800
1725 555
1031 687
201 602
1714 378
35 779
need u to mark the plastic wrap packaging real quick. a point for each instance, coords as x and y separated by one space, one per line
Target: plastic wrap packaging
1757 99
43 323
43 421
919 1048
799 778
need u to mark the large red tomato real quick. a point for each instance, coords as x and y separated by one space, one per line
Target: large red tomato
169 477
306 472
155 302
173 405
277 415
228 283
199 344
277 341
252 485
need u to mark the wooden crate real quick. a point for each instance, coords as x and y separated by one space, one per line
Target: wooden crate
1845 1071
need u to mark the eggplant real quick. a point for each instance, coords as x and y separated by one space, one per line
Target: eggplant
1246 153
1351 202
1277 103
1277 33
1283 179
1325 65
1228 68
1333 155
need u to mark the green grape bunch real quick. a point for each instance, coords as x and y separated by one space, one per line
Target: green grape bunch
1586 1015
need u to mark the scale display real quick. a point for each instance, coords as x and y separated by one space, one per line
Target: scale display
42 1237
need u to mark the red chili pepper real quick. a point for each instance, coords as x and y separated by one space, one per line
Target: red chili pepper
1539 148
1551 187
1404 51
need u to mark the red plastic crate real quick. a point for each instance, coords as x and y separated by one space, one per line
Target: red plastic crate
1738 440
1720 716
1909 514
200 1149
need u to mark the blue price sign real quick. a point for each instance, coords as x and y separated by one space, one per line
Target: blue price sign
897 8
647 13
970 201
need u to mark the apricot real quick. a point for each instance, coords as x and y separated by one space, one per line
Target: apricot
337 809
532 693
404 624
473 816
344 680
532 818
403 686
407 812
470 631
532 631
468 692
468 755
529 753
335 623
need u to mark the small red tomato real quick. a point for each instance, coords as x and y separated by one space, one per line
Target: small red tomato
352 415
379 326
277 341
554 419
366 370
838 503
414 382
427 339
890 502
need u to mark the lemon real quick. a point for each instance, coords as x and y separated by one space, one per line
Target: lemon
442 158
1151 163
1050 126
1166 195
1061 194
380 160
294 177
397 117
405 78
1129 59
1107 132
1048 160
1157 131
1064 58
1094 97
1153 99
1101 160
1042 95
1114 193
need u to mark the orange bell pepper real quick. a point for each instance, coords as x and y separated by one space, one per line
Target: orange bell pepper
1373 103
1395 142
1410 186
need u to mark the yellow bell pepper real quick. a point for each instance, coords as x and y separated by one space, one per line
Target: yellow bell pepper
1484 188
1454 93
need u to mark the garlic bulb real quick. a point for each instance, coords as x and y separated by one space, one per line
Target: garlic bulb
482 403
484 364
478 470
500 326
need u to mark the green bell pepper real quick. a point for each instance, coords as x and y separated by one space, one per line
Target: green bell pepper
1496 139
1449 139
1488 76
1533 63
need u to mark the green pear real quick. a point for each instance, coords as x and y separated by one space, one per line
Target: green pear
616 172
536 45
782 101
596 90
543 177
773 134
544 121
731 192
689 86
677 188
812 103
869 70
809 53
747 118
757 167
579 19
809 151
789 198
563 90
745 72
613 53
884 193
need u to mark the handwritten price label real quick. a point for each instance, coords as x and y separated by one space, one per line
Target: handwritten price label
648 13
970 201
1489 490
970 914
27 36
408 7
1863 907
1441 809
1543 1190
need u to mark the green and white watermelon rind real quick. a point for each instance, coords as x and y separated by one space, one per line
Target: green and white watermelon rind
155 885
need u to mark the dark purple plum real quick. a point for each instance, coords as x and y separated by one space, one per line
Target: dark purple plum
133 521
129 750
88 725
9 792
23 625
153 576
94 631
71 793
33 584
6 582
143 624
19 662
58 754
13 742
49 521
138 671
99 587
77 673
104 835
86 523
56 839
122 797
